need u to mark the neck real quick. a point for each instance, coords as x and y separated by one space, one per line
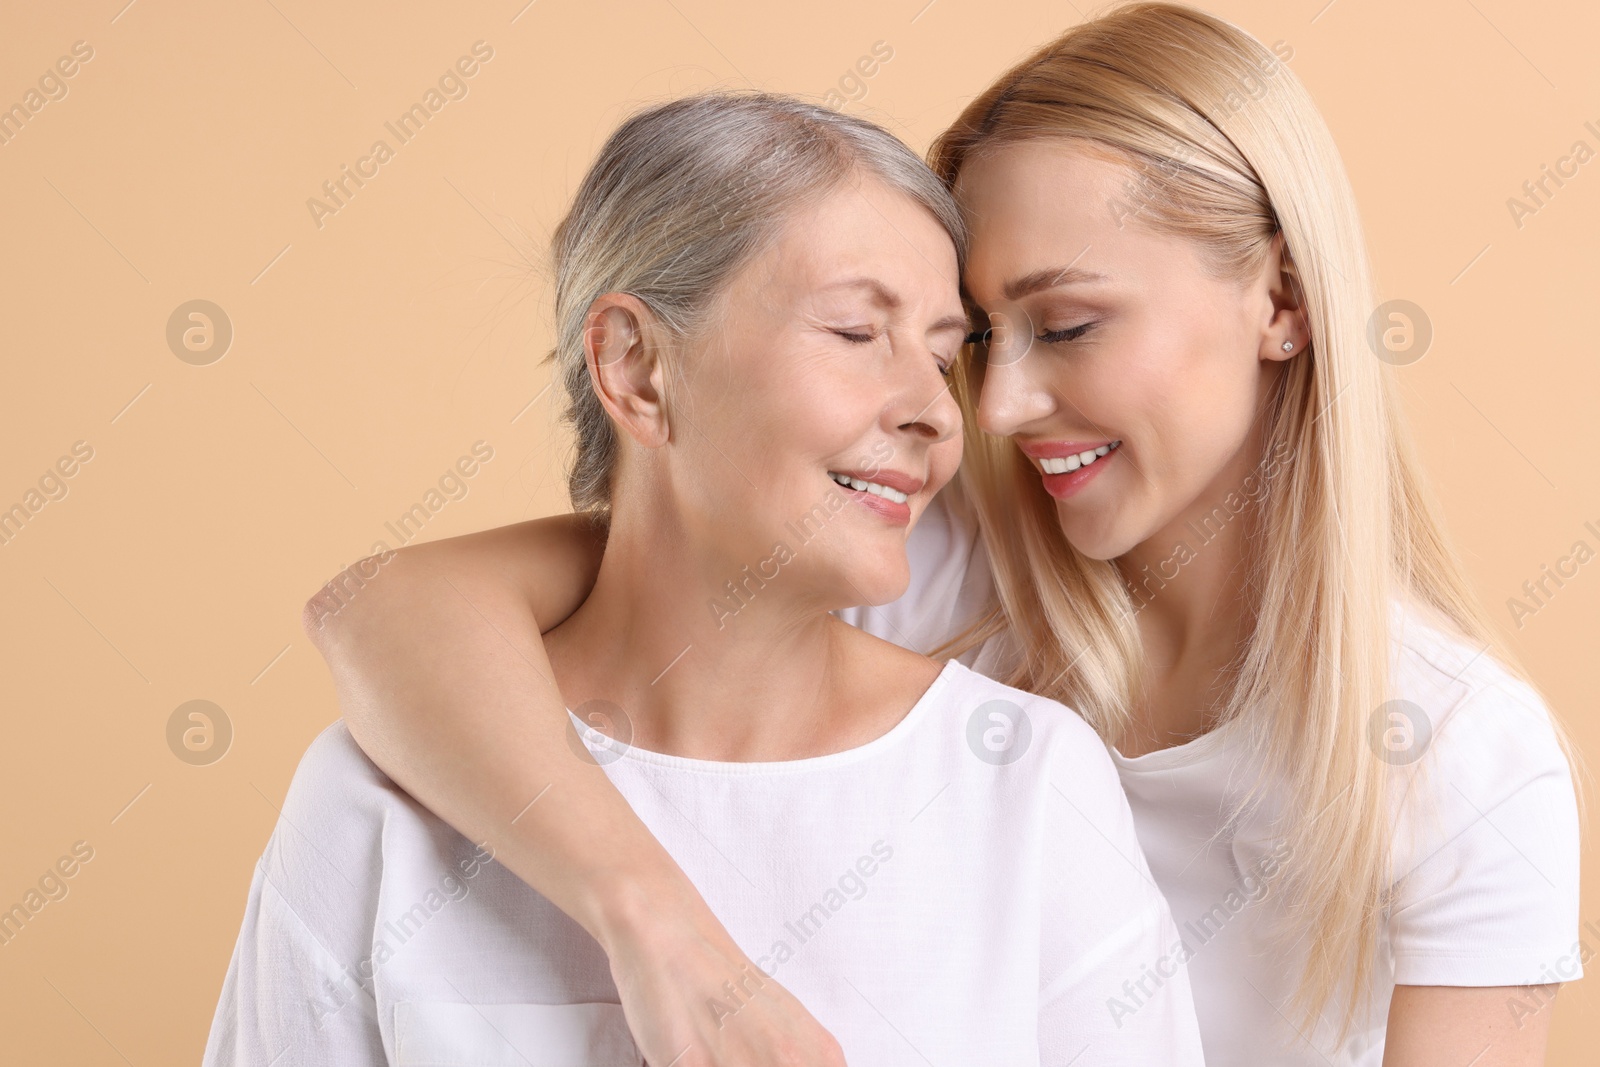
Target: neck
1189 582
1192 602
699 669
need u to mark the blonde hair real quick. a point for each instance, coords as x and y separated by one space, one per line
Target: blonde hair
1229 152
681 197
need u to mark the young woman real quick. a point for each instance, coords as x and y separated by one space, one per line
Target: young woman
940 864
1202 527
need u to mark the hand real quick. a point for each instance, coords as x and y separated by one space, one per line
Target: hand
693 999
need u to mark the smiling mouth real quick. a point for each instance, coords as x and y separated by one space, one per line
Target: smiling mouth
861 485
1067 464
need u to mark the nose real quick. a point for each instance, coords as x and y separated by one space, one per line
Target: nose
924 405
1011 396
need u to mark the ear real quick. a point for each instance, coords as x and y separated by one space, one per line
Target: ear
620 348
1288 321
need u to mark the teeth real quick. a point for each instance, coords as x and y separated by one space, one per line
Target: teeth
1066 464
874 488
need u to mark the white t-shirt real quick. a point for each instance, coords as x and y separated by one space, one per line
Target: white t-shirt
966 888
1485 851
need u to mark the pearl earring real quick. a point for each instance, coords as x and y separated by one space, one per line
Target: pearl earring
1288 346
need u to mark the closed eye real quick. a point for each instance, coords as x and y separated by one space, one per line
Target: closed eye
855 338
1072 333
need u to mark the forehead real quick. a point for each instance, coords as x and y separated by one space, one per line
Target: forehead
1046 203
863 226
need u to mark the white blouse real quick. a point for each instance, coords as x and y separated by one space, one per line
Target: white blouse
966 888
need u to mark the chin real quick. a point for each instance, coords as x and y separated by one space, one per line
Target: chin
1095 536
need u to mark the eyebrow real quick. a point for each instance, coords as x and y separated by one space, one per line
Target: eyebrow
887 299
1050 278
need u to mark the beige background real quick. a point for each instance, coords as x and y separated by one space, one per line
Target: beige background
372 352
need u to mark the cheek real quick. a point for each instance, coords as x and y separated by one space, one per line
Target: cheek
820 404
787 427
1196 407
750 392
1118 395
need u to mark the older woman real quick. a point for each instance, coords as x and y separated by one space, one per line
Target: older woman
757 305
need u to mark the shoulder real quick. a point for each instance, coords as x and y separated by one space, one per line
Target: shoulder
1473 718
1486 848
333 816
332 769
1013 727
317 889
1053 774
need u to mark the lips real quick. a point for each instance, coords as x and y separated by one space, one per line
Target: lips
885 492
1066 467
1062 449
899 482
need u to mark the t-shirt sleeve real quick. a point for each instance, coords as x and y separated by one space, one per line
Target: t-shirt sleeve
950 583
1487 847
296 991
1114 985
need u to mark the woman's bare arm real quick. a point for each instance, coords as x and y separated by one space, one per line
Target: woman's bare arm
435 649
1441 1026
440 669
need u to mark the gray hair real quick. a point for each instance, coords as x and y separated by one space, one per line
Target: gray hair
682 196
